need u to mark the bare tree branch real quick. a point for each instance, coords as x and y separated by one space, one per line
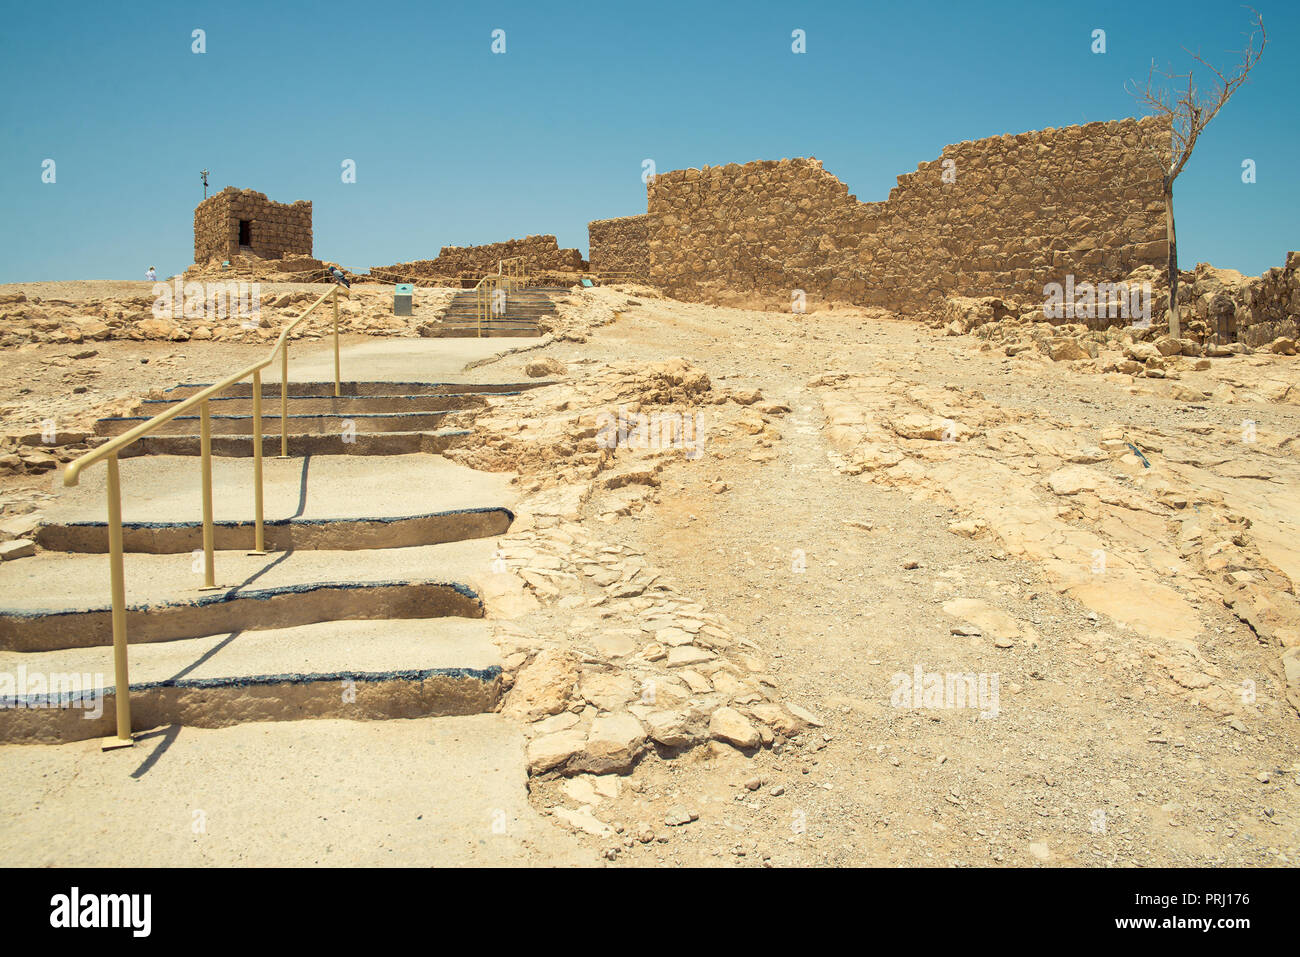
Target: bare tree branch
1187 110
1190 110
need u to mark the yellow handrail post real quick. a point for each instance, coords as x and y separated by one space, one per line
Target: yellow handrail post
205 454
336 342
108 451
259 535
121 679
284 401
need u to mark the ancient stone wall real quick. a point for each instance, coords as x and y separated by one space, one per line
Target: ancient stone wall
619 245
275 230
998 216
1234 308
541 254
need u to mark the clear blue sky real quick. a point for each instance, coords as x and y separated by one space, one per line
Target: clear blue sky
456 145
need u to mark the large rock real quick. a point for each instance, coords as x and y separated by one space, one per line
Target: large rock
1070 350
539 368
554 750
92 328
776 718
728 724
993 622
614 743
156 328
1141 351
916 425
18 548
544 686
669 728
608 692
685 655
1072 480
20 526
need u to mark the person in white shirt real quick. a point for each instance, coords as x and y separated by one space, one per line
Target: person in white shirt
151 275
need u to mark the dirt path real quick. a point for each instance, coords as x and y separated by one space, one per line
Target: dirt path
1091 759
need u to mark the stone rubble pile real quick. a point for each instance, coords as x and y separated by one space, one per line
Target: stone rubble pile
248 268
569 433
1223 314
641 666
26 320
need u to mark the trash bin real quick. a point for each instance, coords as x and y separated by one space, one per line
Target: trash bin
402 297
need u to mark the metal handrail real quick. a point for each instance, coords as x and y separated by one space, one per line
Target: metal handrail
109 452
514 266
510 275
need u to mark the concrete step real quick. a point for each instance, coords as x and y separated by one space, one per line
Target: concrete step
361 670
471 330
463 315
302 444
271 390
285 534
62 600
513 308
389 360
323 502
237 609
335 425
522 310
330 405
449 792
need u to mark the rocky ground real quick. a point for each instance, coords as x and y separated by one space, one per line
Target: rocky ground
84 313
872 498
720 609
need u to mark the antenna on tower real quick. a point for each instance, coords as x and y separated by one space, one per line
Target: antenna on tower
204 174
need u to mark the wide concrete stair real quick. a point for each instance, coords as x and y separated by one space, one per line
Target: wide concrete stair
440 791
523 309
368 418
396 633
370 602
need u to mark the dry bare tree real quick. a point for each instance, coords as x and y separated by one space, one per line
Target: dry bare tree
1188 111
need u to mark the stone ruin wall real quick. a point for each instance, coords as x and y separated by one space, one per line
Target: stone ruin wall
276 230
619 245
1253 310
1024 210
541 254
